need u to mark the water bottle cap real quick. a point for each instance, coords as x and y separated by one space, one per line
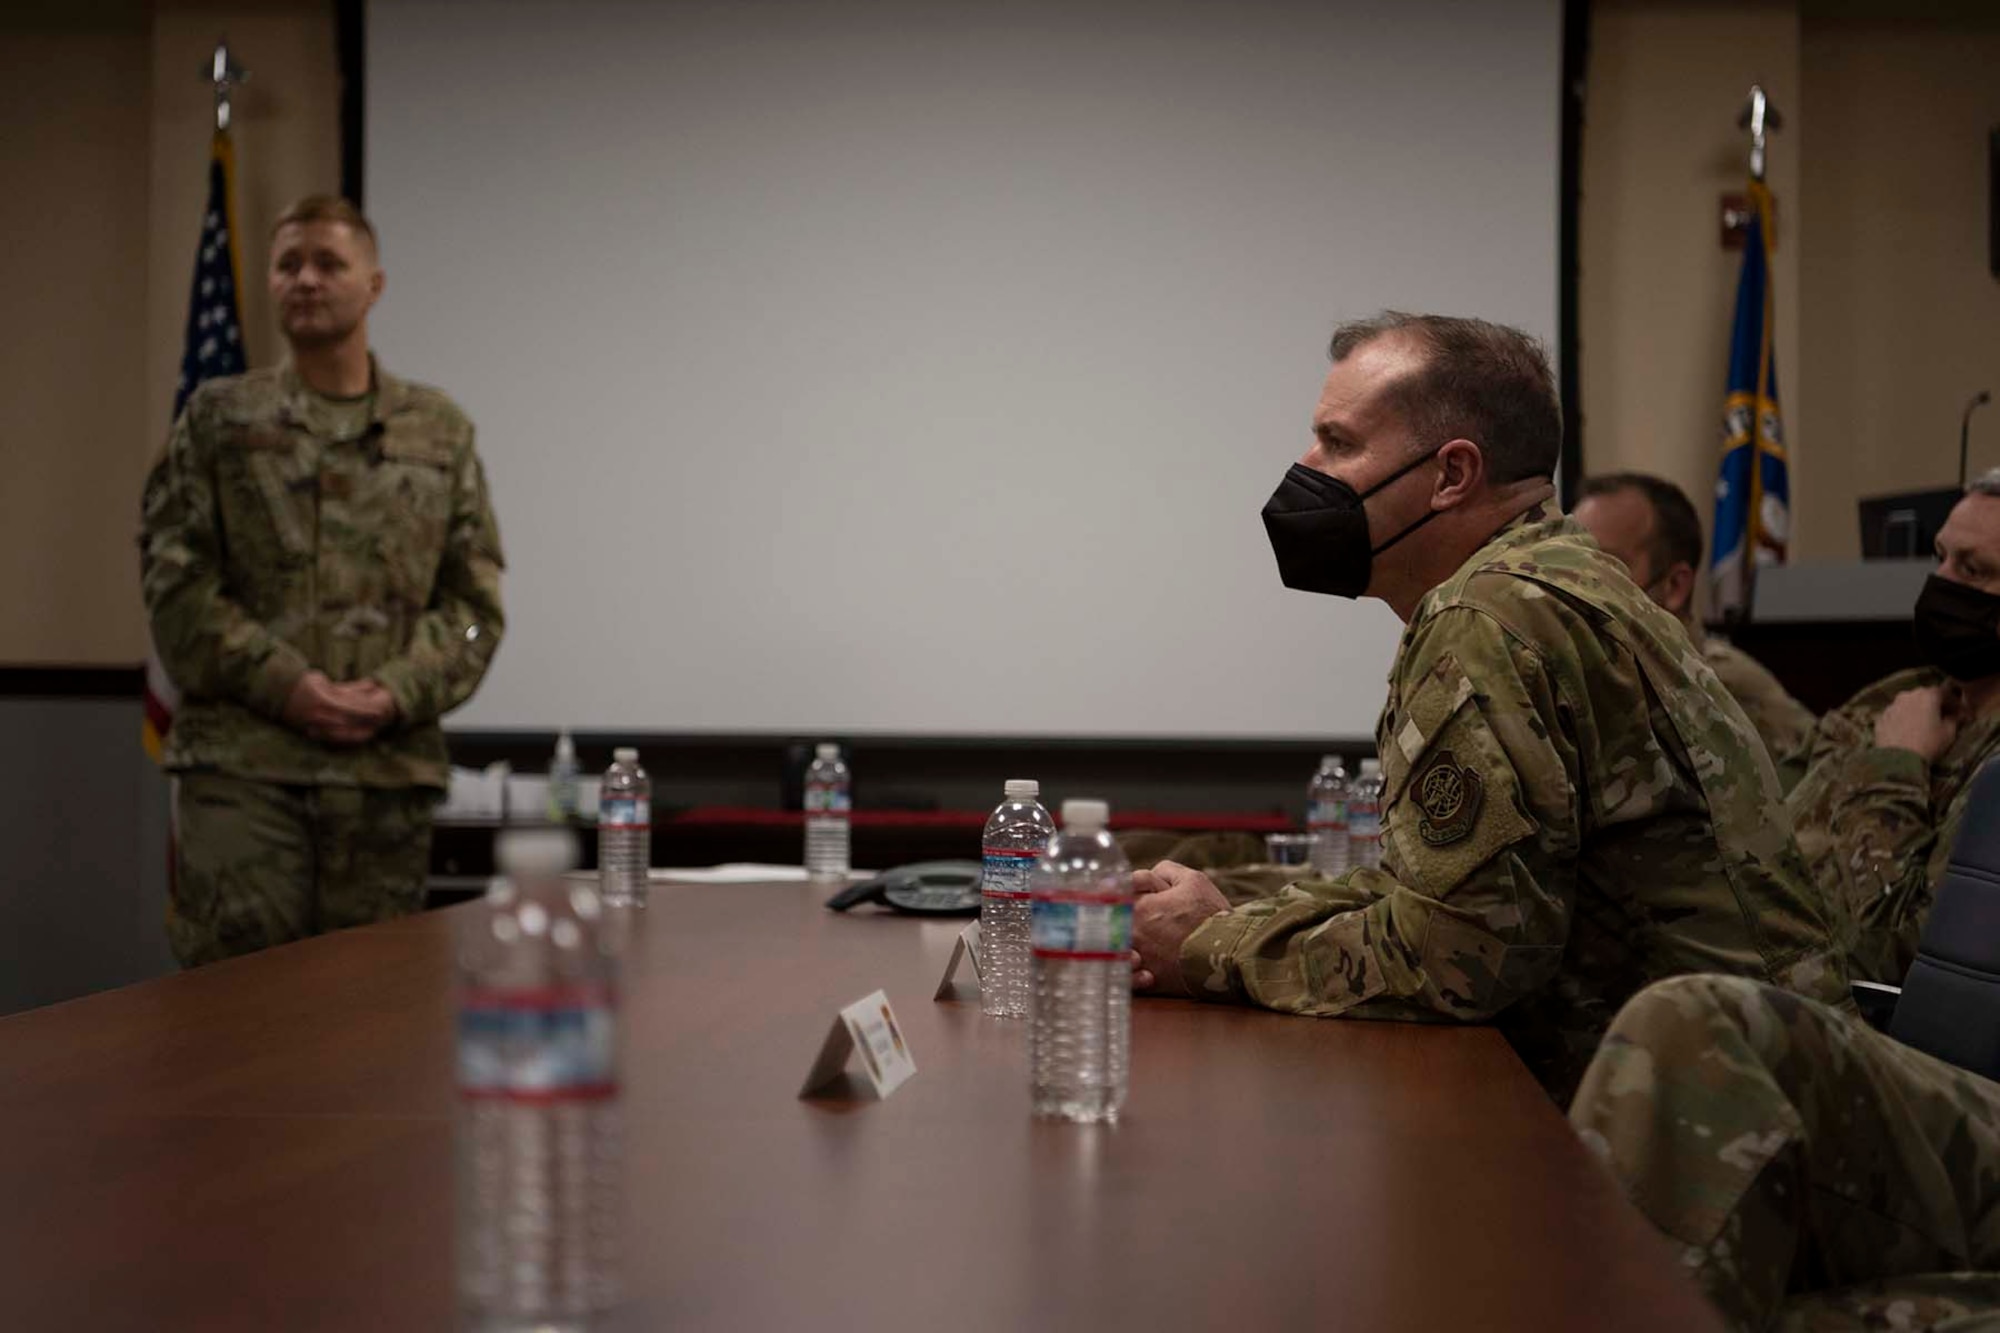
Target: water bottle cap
1023 789
1085 816
538 852
566 748
1329 761
1371 766
624 754
827 750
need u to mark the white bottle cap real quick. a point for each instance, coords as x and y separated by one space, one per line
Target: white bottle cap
1022 789
1371 765
566 748
537 853
1085 816
827 750
624 754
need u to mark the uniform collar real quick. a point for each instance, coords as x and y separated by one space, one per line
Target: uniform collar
1535 523
389 393
1538 522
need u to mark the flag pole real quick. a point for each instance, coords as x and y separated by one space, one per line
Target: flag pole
225 74
1758 116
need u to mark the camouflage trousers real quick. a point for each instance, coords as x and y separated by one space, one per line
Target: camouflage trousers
259 864
1816 1174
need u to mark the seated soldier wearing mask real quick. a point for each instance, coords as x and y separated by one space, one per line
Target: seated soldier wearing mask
1650 526
1878 809
1575 806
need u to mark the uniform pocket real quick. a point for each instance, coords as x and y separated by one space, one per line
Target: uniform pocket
266 495
414 490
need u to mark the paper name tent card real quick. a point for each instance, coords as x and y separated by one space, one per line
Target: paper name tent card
869 1027
965 949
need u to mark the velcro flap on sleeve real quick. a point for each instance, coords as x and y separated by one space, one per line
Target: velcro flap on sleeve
1457 801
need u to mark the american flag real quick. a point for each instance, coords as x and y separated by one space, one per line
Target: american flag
213 346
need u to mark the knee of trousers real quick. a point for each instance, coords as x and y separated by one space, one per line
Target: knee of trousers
1689 1008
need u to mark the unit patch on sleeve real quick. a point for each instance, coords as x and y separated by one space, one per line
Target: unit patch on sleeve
1450 797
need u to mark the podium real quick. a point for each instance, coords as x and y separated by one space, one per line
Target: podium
1825 630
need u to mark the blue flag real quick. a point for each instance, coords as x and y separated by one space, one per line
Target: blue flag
213 346
1753 494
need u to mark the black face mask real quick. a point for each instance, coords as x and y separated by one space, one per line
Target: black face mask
1958 629
1318 526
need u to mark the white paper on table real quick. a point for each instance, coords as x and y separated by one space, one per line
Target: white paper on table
739 872
734 872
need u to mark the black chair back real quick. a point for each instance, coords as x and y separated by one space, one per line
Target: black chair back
1950 1006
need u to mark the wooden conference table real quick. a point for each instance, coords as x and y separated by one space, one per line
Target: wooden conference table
267 1144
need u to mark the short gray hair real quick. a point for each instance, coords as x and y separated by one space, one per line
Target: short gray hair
1986 483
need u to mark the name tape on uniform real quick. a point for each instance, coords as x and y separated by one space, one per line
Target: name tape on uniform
870 1027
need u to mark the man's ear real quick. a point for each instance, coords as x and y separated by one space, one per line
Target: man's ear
1677 588
1461 473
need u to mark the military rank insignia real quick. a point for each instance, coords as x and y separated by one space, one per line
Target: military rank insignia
1449 797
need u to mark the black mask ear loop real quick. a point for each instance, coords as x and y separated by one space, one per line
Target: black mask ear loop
1404 533
1392 478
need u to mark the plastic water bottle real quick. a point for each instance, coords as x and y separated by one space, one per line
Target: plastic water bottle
539 1135
827 806
1364 816
562 780
1326 815
624 830
1015 837
1079 1039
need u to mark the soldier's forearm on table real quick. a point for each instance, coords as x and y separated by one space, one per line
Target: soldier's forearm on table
1466 957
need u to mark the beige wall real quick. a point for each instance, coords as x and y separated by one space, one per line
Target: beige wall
1888 319
106 162
1655 288
1902 312
73 80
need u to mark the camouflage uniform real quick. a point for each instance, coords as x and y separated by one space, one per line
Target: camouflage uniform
274 542
1876 825
1817 1174
1574 807
1785 724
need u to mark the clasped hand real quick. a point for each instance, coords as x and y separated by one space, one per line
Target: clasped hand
339 712
1170 901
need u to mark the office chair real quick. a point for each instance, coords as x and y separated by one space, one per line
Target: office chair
1950 1001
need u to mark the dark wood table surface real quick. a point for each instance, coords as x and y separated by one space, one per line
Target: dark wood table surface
267 1144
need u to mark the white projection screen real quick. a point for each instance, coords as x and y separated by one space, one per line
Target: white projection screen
881 367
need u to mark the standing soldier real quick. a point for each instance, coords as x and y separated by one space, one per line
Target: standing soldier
321 568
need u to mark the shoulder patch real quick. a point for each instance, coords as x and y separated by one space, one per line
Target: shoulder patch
1449 796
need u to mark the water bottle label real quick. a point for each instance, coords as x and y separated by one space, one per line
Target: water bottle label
827 801
1006 873
1326 814
537 1044
625 812
1364 823
1067 928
